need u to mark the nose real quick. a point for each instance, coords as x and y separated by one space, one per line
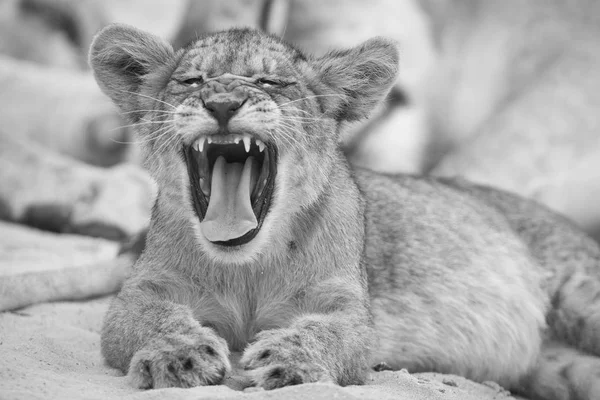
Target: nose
223 109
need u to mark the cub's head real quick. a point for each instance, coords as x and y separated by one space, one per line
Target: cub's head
239 129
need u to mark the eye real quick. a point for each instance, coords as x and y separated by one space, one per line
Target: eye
269 82
193 81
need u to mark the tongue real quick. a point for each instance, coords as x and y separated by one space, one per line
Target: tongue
229 214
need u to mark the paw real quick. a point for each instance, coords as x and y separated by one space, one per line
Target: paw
278 358
280 375
182 361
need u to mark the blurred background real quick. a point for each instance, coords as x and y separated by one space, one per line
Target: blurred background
502 93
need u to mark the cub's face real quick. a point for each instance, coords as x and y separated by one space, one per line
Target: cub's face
243 111
239 127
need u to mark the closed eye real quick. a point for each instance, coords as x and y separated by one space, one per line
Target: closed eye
265 81
273 82
193 81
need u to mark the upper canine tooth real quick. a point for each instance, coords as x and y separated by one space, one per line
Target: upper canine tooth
246 140
200 144
260 144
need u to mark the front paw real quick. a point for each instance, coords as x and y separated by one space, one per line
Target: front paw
280 358
181 361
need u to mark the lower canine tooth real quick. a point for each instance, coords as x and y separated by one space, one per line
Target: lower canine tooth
204 187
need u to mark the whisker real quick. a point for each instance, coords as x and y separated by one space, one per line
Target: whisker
167 143
140 124
149 97
300 119
291 113
165 130
291 123
160 147
297 110
154 111
289 133
312 97
170 130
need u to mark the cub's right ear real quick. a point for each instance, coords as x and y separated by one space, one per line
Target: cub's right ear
358 78
122 57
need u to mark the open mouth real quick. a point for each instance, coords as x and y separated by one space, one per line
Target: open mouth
232 179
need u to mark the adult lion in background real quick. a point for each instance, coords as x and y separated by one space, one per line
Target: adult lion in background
57 127
49 96
505 93
517 108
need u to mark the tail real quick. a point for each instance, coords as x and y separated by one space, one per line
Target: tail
563 373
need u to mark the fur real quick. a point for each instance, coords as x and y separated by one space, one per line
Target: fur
449 276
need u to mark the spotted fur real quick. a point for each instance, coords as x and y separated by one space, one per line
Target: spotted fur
350 268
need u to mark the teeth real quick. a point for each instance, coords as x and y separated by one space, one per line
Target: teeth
204 187
200 143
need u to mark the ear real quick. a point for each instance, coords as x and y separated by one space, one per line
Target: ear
121 57
357 79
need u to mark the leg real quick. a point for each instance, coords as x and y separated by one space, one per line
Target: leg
330 341
563 373
159 342
482 319
575 317
481 345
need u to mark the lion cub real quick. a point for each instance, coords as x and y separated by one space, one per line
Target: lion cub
264 240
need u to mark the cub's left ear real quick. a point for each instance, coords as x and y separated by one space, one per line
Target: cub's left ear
357 79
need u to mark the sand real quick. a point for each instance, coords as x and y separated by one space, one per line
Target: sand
52 351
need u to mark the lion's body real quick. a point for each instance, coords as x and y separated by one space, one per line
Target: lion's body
449 277
471 250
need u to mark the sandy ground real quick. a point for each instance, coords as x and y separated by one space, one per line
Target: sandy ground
52 351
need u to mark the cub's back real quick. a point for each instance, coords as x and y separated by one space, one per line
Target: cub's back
561 247
406 213
416 226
